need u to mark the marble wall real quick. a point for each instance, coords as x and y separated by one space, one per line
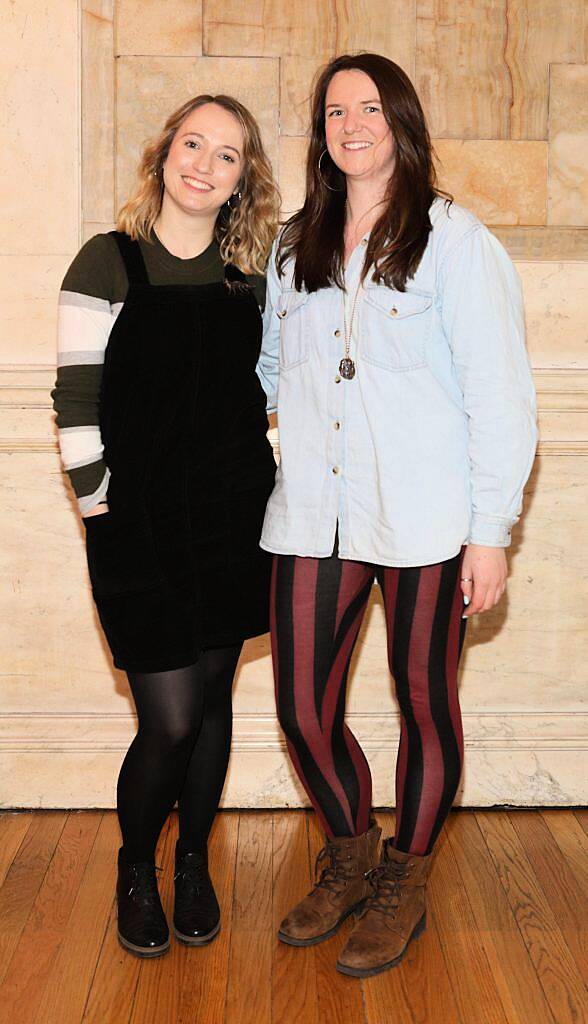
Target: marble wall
505 87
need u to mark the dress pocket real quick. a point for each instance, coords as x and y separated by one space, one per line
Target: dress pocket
121 554
395 328
294 328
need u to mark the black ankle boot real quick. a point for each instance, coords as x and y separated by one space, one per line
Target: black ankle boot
142 927
196 911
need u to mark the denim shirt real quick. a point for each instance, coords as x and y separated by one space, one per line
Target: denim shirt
429 446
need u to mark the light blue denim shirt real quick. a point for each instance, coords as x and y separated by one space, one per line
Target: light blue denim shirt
430 445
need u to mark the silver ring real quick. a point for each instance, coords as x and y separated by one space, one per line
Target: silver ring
467 579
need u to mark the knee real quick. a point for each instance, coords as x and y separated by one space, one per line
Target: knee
174 737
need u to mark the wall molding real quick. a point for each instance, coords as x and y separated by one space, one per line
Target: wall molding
486 730
25 401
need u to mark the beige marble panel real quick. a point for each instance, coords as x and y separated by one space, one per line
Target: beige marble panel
539 32
29 286
502 182
39 122
557 329
522 774
292 172
150 88
266 27
389 29
568 144
147 27
276 29
461 78
97 110
296 80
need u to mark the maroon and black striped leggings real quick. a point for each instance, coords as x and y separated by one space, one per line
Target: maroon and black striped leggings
317 608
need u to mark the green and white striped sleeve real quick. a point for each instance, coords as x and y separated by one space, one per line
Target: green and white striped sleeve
85 320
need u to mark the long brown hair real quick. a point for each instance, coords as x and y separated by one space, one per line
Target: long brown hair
314 236
246 230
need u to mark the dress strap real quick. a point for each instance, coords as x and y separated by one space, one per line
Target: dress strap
132 258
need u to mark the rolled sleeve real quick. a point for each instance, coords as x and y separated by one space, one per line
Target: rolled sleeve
483 321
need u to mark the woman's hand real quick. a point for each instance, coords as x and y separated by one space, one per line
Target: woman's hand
98 510
483 581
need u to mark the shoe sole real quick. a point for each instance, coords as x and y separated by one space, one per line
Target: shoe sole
197 940
143 951
368 972
290 941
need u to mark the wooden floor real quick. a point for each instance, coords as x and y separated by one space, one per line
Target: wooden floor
506 943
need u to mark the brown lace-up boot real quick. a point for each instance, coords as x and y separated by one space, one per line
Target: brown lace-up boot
340 889
392 916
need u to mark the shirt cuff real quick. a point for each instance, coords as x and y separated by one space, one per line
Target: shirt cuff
89 501
489 531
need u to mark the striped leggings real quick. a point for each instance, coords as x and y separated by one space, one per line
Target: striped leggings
317 607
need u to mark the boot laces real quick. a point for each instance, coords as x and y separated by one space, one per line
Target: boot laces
386 881
195 880
144 883
330 875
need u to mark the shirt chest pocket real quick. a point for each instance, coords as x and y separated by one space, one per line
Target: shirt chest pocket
395 328
292 313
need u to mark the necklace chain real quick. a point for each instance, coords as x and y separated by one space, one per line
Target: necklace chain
348 333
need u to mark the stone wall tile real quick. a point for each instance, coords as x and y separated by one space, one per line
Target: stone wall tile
502 182
145 27
29 286
292 172
557 330
461 78
150 88
39 160
568 144
539 33
311 30
98 110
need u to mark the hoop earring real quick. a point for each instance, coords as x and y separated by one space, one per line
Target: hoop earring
323 182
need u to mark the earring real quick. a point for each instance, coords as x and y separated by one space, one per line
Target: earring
323 182
234 199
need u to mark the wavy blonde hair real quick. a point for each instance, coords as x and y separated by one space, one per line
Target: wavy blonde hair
245 231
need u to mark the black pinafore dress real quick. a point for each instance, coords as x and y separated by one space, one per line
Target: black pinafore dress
175 563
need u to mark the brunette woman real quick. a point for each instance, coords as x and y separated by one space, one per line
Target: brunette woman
162 425
407 432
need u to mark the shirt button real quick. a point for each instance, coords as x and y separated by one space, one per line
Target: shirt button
336 425
282 313
394 311
337 379
336 470
364 241
337 333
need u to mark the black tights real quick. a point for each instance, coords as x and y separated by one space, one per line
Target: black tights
181 752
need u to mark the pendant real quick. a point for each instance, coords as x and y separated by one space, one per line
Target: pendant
347 368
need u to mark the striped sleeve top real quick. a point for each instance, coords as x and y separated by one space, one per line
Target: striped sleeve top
92 295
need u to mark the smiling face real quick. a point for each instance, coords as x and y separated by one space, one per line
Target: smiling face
359 138
205 161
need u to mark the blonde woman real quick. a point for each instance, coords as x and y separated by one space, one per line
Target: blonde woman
163 425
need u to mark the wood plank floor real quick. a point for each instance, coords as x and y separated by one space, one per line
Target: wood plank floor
506 943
